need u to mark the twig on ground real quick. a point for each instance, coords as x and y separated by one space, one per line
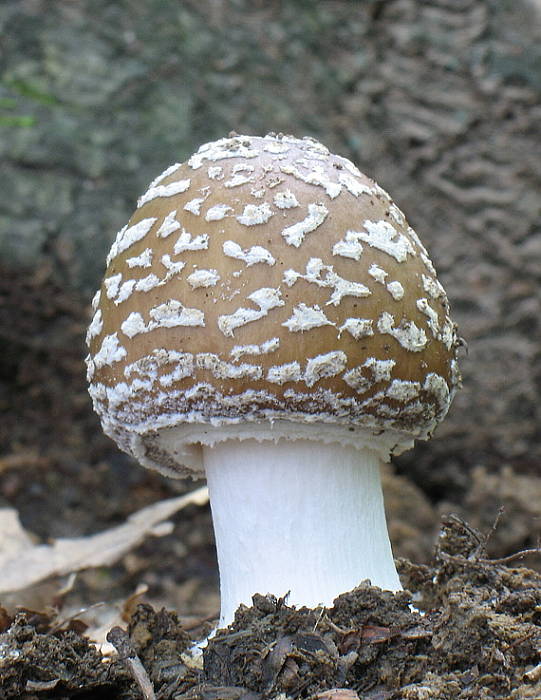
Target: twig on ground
126 653
513 557
495 524
458 559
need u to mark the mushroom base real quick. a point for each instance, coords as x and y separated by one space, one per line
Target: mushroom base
297 518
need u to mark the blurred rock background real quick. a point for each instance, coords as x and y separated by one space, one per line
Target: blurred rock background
438 100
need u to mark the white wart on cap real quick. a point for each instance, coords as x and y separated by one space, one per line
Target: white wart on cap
267 280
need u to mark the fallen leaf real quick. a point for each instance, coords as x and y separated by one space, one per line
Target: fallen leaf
23 564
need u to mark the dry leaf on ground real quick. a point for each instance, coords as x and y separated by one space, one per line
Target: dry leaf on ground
23 564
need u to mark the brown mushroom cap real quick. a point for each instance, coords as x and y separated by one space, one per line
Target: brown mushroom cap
267 280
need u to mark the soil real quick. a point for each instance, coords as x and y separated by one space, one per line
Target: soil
467 628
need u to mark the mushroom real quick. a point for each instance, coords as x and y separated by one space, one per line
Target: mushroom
268 319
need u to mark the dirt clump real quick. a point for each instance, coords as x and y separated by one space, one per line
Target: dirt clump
467 628
38 660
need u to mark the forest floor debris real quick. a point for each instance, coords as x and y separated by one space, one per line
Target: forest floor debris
466 628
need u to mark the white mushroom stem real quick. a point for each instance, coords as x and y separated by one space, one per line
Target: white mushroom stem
296 516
